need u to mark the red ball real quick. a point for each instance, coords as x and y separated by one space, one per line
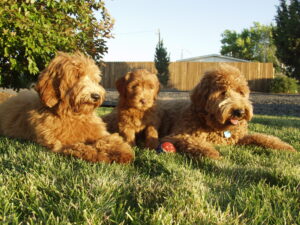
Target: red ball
166 147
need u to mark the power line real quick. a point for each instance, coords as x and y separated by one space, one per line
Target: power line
136 32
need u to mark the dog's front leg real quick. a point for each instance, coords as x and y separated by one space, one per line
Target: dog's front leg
128 134
151 137
266 141
114 147
110 148
85 152
192 146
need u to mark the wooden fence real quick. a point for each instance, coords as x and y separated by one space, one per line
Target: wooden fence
185 75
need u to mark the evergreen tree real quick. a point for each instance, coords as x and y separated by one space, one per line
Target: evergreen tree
287 36
162 61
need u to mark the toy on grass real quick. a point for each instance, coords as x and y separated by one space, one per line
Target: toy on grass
166 147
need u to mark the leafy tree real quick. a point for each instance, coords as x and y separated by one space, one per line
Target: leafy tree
255 43
162 61
32 31
230 45
287 36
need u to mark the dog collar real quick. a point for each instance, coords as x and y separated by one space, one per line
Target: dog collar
227 134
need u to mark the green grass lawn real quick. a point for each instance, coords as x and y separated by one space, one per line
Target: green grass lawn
249 185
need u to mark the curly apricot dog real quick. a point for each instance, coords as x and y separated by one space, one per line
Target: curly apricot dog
218 113
136 110
60 115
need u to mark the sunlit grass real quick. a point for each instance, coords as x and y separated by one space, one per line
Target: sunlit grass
249 185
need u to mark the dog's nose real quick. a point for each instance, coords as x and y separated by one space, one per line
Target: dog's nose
95 96
238 112
143 101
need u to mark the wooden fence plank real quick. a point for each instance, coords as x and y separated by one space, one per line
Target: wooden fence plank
185 75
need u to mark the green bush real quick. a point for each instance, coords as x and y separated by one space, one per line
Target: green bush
31 32
284 84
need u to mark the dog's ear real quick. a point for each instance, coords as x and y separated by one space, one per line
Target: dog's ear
200 94
46 88
249 113
157 87
121 84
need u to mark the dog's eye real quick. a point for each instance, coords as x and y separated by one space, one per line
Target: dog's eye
223 93
241 93
150 86
133 87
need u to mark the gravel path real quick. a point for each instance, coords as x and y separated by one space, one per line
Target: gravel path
264 103
276 104
267 104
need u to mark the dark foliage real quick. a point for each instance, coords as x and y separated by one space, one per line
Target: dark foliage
287 36
162 61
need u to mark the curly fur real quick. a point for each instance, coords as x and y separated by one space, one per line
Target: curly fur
4 96
136 111
219 108
60 113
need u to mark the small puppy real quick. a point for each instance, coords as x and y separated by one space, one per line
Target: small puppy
136 111
60 114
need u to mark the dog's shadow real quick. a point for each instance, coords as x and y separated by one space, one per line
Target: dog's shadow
240 176
277 124
149 166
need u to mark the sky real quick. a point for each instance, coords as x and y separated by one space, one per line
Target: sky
189 28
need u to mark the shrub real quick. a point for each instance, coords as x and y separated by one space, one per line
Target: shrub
31 32
284 84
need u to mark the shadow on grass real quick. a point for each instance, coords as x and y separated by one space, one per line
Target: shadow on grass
138 198
244 175
278 123
149 167
12 161
149 191
228 184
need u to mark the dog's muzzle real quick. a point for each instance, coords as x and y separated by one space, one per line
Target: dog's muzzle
238 113
95 96
236 116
